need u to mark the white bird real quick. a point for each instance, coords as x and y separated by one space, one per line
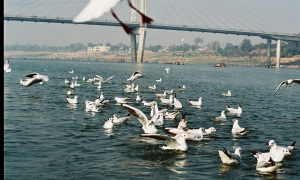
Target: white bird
120 120
196 103
121 100
101 78
95 109
148 103
179 128
75 78
210 130
167 101
96 8
72 85
108 124
183 88
167 70
230 158
177 142
266 166
236 129
33 78
161 95
136 88
128 89
158 80
69 92
287 83
88 105
177 104
160 120
135 76
147 125
83 78
228 94
274 148
195 134
101 97
277 157
71 72
99 85
169 91
6 66
138 97
173 115
152 87
239 110
67 81
221 118
72 101
77 84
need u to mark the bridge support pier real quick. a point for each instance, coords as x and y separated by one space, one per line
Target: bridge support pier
278 54
269 52
133 48
140 54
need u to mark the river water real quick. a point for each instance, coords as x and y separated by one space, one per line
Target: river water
45 137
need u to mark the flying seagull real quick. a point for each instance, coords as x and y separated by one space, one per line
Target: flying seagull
96 8
288 82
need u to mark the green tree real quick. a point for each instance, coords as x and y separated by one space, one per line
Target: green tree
246 45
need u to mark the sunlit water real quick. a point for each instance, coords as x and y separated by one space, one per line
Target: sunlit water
47 138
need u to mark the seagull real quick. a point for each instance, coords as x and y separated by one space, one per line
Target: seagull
183 88
72 85
167 70
173 115
210 130
120 120
67 81
233 110
277 157
148 103
99 85
152 87
108 124
33 78
160 120
194 134
236 129
147 125
128 89
167 101
180 127
101 78
135 76
228 94
72 101
161 95
71 72
6 66
274 148
196 103
101 97
88 105
230 158
95 109
158 80
76 84
177 142
69 92
169 91
138 97
221 118
265 165
96 8
75 78
122 100
288 83
177 103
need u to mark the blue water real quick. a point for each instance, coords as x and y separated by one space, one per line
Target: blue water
47 138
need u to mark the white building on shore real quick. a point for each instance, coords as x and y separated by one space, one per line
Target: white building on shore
99 48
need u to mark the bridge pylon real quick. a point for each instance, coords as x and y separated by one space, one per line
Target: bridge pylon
137 55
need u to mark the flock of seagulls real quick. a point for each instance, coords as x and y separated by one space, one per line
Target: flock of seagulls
179 137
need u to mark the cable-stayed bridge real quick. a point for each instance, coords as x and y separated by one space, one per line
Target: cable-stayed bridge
224 17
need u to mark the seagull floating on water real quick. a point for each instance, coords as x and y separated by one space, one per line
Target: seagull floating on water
72 101
177 142
228 94
221 118
195 103
183 88
236 129
287 83
239 110
152 87
167 70
120 120
108 124
265 165
6 66
230 158
158 80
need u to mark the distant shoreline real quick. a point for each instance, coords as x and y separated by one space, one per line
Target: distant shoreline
151 57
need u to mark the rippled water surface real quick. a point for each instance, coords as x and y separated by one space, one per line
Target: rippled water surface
47 138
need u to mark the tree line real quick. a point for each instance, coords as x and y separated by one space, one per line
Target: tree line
245 48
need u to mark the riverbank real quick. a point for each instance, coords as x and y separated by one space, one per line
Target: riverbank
159 57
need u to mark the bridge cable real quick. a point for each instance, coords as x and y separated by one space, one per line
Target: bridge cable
191 10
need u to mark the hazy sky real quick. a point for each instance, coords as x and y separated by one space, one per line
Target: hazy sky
258 15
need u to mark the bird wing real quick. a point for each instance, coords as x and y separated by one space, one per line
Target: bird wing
138 114
279 87
31 75
109 78
296 81
171 142
95 9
